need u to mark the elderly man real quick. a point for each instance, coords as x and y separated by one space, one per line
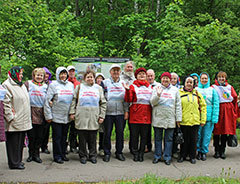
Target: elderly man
73 132
152 82
128 74
128 77
117 113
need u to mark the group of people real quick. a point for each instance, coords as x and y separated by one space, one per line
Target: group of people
98 104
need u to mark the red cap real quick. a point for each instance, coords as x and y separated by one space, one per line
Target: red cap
140 70
166 74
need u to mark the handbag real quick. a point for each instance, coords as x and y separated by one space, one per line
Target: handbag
232 141
178 136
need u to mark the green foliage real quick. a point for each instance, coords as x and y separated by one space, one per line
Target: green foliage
32 36
182 36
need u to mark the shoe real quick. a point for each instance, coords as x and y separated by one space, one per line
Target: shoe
167 162
65 158
199 156
204 157
59 161
222 156
106 158
193 161
93 160
29 159
135 158
155 161
20 167
216 155
83 160
140 157
180 160
120 157
46 151
37 159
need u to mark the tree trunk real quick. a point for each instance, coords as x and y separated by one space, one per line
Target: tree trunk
136 6
158 10
77 8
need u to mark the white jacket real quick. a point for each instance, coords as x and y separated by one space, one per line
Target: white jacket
166 108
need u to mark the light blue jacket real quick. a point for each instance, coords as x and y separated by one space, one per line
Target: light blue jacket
212 100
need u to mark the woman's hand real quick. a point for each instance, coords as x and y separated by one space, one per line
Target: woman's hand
202 124
159 91
126 115
72 116
126 86
100 120
178 123
50 103
49 120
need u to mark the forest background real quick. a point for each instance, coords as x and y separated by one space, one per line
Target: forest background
182 36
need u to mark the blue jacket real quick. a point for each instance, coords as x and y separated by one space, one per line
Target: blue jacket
212 100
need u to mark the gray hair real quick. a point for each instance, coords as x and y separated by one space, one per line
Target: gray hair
129 62
151 70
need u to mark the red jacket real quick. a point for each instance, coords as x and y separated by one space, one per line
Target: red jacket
138 113
74 81
228 114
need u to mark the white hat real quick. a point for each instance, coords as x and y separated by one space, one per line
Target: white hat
71 67
114 66
99 74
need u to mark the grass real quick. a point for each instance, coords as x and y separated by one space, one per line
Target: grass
153 179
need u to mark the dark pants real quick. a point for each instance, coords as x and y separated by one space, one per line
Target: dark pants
72 140
45 135
189 147
149 139
14 147
35 140
119 129
219 142
101 142
130 137
139 131
59 133
87 137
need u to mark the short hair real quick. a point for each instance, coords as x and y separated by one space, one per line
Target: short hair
129 62
36 70
88 72
221 73
151 70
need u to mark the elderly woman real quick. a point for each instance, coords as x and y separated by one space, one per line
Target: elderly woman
193 115
140 112
60 95
37 90
212 100
227 115
175 80
167 110
17 114
117 113
88 109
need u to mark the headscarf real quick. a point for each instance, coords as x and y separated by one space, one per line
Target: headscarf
200 85
178 80
49 73
14 74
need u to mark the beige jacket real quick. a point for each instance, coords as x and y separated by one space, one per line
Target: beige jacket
86 112
17 111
